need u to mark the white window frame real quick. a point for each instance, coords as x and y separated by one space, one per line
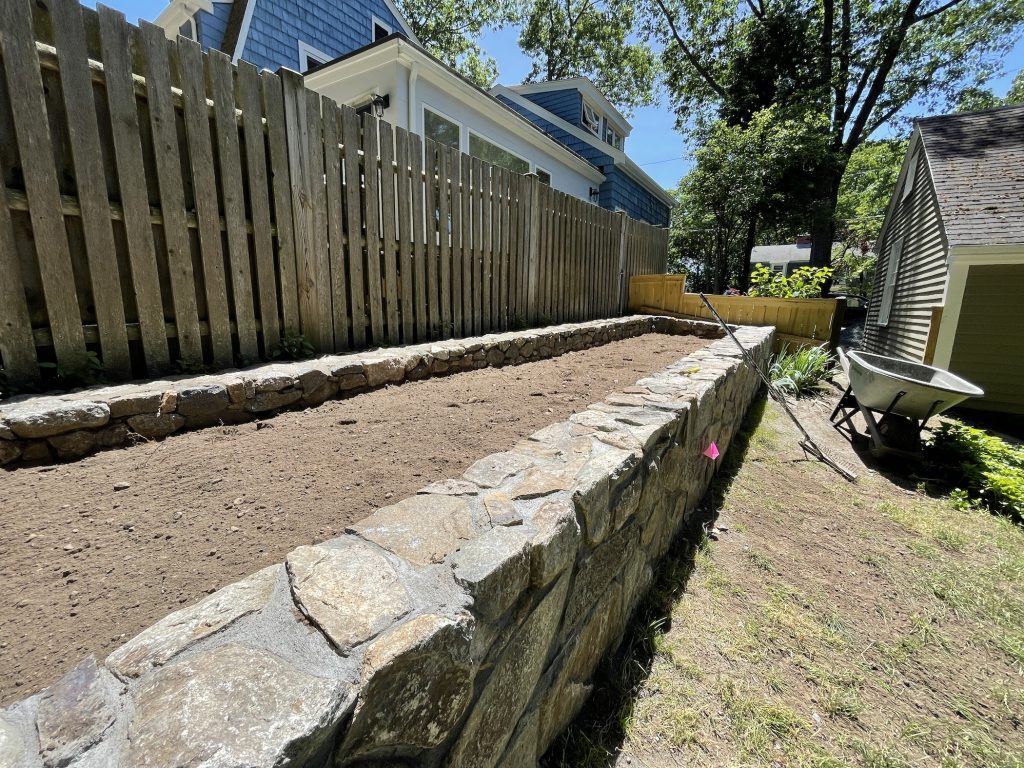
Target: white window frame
378 22
908 182
307 52
889 287
446 116
489 140
597 117
538 169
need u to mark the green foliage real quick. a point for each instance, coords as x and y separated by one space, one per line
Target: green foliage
801 372
864 195
590 38
804 283
735 183
983 468
293 347
976 98
856 66
90 372
449 29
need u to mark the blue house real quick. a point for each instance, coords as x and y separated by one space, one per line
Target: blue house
298 34
360 52
576 114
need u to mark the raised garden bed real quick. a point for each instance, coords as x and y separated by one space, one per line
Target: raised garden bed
612 457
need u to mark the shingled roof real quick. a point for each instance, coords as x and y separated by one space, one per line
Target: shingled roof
976 161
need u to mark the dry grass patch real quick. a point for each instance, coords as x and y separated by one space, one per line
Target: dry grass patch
825 624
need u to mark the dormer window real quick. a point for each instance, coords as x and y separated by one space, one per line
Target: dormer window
379 30
591 120
310 58
612 136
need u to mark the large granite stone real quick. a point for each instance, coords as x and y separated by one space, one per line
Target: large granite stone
75 712
171 635
594 574
495 569
9 452
423 668
352 593
203 403
493 470
44 417
555 543
234 707
272 400
381 371
134 401
592 489
74 445
522 748
421 529
156 425
510 686
12 745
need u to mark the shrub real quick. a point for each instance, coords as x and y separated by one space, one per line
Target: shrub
804 283
980 467
801 372
293 347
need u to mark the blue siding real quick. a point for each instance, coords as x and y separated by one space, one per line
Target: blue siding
566 103
210 26
619 190
622 191
335 27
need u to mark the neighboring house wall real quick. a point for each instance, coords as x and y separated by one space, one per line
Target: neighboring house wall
334 27
210 27
619 191
385 71
567 104
988 349
622 192
921 275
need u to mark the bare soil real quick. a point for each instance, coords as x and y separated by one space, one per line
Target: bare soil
84 567
821 623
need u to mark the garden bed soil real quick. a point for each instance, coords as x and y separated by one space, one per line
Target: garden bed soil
93 552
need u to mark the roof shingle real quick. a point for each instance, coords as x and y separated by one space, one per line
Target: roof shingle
976 161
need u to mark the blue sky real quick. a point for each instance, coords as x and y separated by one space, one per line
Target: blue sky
654 143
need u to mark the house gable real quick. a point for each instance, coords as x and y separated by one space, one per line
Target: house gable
288 33
913 227
567 103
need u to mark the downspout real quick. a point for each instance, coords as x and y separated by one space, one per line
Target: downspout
414 73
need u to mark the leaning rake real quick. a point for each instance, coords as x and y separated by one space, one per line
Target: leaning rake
807 444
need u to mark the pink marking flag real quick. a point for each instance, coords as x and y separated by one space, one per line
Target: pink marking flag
711 451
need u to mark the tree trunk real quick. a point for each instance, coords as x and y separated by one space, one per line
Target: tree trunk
748 248
823 224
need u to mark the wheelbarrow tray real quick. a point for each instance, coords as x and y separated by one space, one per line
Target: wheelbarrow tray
877 381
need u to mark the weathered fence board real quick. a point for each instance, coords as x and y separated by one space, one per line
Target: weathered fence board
164 207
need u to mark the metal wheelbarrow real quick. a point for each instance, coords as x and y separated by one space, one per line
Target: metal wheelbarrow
896 398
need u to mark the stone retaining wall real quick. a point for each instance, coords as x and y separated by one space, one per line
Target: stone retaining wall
40 429
457 627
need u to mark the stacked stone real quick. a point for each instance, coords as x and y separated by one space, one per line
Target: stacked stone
458 627
41 429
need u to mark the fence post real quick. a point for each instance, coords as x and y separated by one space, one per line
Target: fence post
623 242
296 128
533 248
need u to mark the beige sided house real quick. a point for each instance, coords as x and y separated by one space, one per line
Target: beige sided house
949 288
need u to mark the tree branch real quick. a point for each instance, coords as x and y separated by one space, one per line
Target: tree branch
690 56
936 11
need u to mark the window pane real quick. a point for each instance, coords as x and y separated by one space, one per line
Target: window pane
479 147
543 177
440 129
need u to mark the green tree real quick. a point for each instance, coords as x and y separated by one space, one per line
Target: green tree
590 38
865 62
448 29
736 183
973 99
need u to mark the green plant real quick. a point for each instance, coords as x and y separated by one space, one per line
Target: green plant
979 467
801 372
293 346
804 283
84 375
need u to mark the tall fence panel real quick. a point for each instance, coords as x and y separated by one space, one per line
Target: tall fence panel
163 209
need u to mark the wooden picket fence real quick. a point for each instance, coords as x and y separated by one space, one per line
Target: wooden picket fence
798 322
162 208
